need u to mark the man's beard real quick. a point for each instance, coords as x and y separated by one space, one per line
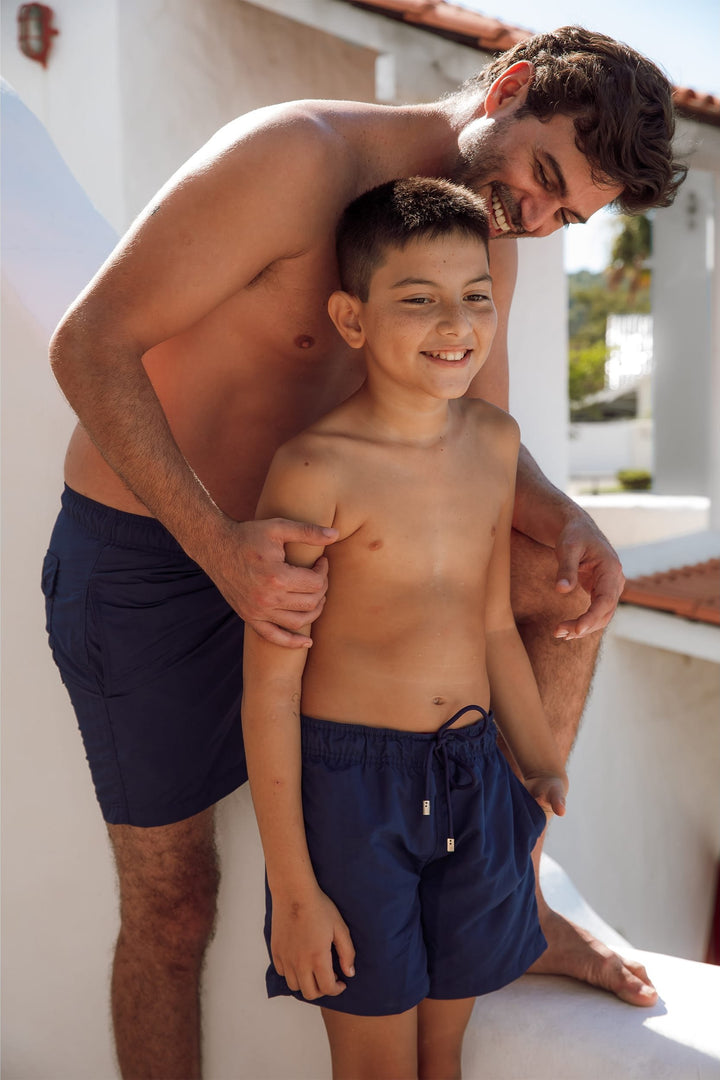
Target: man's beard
481 158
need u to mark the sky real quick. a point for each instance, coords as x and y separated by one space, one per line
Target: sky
683 39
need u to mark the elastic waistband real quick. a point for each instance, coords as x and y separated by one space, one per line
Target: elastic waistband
340 742
117 526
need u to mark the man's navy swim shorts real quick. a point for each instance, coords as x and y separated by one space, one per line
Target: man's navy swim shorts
151 655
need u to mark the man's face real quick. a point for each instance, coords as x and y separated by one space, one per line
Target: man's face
530 173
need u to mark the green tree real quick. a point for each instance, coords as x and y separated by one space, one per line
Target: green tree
623 289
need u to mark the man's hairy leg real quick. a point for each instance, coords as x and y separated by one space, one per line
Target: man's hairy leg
168 880
564 671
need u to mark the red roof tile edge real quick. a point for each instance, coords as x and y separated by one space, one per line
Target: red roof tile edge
491 35
690 591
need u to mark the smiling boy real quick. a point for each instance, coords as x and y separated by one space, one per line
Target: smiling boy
409 852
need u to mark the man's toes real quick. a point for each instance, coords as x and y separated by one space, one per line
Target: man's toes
633 985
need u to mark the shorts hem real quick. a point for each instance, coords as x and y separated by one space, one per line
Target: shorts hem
149 818
335 1004
493 985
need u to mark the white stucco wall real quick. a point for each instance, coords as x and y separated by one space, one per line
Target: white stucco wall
642 833
601 449
683 363
537 342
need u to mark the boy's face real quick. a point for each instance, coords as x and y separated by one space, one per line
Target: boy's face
429 319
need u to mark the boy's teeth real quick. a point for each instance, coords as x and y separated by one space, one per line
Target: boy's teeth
446 355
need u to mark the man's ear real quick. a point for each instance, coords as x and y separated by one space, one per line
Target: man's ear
345 310
509 91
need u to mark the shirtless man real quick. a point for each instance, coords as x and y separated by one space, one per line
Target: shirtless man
204 343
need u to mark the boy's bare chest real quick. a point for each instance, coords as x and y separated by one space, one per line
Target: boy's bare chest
429 522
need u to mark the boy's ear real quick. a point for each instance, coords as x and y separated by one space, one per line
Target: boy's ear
344 310
509 91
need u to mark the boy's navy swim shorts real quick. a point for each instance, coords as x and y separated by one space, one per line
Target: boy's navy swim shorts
426 921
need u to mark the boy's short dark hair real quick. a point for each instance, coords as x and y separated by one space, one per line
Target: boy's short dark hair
621 104
394 213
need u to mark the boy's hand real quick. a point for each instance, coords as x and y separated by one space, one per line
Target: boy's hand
303 933
549 791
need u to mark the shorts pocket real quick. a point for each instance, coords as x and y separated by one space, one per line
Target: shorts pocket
538 815
51 565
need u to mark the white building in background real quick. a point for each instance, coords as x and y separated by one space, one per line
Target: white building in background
629 340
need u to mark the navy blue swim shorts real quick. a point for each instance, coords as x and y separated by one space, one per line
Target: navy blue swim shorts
423 842
151 655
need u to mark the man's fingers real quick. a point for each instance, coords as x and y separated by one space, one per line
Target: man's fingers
275 634
299 532
596 618
568 562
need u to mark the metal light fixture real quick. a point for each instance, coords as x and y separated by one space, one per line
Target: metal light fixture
35 31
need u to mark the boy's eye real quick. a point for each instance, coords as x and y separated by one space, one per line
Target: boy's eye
477 297
416 300
542 176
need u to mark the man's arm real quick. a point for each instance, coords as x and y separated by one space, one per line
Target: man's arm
305 922
205 236
585 557
542 511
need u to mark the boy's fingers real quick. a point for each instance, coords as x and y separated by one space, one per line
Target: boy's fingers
345 950
327 981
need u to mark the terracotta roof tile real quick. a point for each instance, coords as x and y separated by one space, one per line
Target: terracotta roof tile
491 35
703 107
448 20
690 591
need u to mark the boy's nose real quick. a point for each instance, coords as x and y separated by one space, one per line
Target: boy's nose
453 320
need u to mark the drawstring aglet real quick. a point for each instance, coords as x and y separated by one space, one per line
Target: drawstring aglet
451 843
426 808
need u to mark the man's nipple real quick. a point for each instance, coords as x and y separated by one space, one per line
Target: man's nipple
304 341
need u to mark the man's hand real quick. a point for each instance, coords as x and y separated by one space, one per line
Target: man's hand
276 599
586 558
303 933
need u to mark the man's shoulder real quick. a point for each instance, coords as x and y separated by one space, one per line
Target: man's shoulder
304 130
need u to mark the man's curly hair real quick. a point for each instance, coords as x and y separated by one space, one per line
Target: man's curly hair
621 104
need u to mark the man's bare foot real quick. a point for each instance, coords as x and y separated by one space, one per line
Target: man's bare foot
575 952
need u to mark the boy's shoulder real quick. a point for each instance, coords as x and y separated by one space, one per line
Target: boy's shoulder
312 455
500 422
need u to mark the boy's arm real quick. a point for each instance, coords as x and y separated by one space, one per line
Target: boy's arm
305 922
542 511
513 691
